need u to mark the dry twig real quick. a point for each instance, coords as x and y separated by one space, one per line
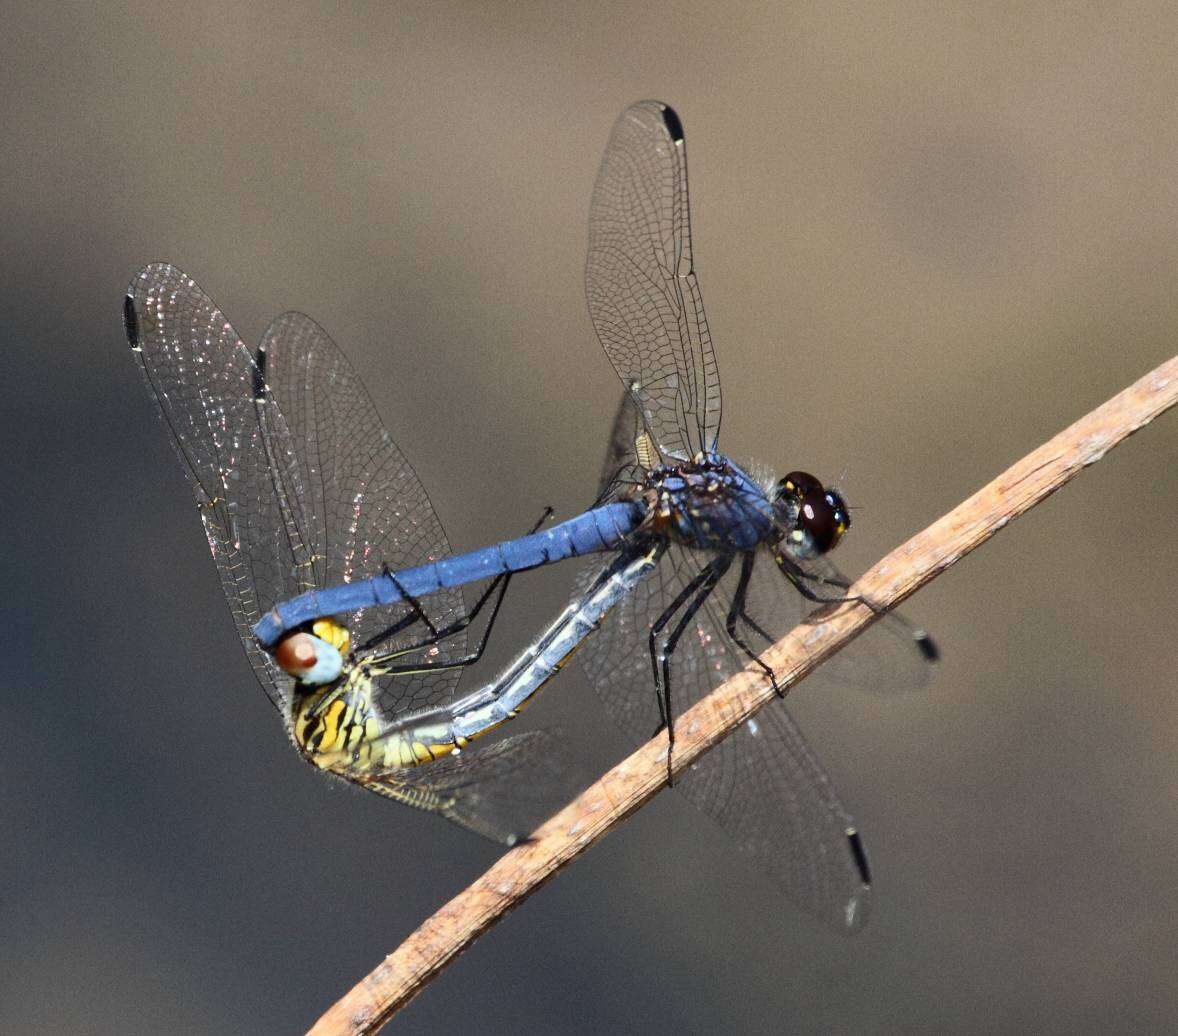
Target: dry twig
603 806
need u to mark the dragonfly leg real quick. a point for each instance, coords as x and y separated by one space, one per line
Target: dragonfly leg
702 585
741 597
379 665
839 581
797 576
416 612
736 611
499 583
656 656
461 624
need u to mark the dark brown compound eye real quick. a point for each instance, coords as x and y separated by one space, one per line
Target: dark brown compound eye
825 517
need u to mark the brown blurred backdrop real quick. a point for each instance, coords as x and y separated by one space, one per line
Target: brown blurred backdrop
928 239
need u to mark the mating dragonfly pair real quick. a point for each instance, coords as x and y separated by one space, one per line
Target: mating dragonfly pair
350 606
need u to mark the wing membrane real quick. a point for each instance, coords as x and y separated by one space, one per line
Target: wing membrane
763 784
365 505
502 791
621 470
234 447
644 298
890 657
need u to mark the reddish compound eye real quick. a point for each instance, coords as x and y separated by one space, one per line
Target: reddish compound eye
309 659
296 654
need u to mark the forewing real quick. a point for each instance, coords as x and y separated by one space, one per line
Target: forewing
234 447
366 507
644 298
763 785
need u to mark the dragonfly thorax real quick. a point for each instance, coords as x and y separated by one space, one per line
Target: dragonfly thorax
709 503
330 722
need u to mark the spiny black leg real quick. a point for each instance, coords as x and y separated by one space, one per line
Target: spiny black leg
921 638
741 600
456 627
752 624
736 610
418 667
749 621
798 578
841 582
657 628
838 582
796 575
606 574
708 578
418 613
461 624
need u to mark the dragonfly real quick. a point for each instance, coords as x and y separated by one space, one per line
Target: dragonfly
729 549
298 485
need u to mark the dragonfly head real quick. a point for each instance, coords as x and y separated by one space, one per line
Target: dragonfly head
812 517
316 657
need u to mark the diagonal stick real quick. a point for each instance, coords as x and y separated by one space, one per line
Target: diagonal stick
617 794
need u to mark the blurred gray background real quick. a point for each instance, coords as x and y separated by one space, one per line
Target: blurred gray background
928 240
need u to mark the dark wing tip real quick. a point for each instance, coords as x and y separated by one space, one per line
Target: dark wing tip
674 126
859 854
131 321
259 372
928 647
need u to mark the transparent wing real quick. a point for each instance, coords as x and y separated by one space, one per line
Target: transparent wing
234 447
892 657
502 791
621 470
644 298
763 785
365 505
772 797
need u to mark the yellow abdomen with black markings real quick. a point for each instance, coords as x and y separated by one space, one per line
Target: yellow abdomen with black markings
338 728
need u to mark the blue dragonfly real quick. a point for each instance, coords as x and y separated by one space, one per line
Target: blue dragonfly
298 485
729 550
